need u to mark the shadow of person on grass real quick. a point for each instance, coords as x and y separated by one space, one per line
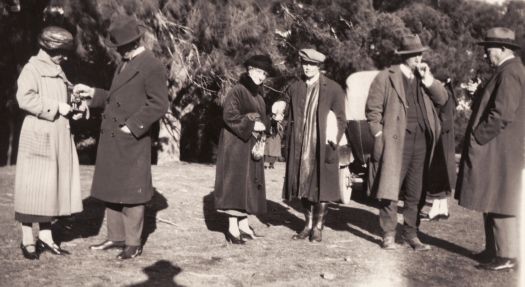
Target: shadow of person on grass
446 245
80 225
162 273
157 203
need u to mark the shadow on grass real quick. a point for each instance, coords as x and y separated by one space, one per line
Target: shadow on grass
89 221
162 273
277 214
80 225
446 245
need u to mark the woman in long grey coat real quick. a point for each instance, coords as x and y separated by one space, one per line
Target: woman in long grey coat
47 182
239 181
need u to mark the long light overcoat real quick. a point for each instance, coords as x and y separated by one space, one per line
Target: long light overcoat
492 161
47 178
239 179
386 111
138 98
331 98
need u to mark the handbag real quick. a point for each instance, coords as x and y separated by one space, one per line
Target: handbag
258 148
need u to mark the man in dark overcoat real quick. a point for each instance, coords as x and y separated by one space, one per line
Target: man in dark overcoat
138 98
490 179
401 112
312 168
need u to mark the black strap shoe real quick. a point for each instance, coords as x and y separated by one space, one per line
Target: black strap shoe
130 252
28 254
108 244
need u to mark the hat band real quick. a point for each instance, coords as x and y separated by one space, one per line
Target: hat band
502 40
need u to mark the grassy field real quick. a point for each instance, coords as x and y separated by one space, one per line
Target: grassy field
185 244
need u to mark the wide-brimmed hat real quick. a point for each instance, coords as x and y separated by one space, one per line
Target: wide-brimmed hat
411 44
56 38
500 36
263 62
123 30
311 56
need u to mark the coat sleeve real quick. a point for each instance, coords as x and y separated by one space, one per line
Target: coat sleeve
156 105
99 98
375 103
507 96
437 93
29 98
239 124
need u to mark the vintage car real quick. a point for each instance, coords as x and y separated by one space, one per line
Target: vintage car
357 144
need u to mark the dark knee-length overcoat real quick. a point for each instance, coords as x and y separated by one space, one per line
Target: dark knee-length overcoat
239 180
490 175
138 98
331 98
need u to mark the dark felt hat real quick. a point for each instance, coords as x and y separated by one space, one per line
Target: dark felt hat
263 62
500 36
123 30
411 44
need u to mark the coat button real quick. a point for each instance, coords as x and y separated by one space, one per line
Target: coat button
395 137
118 104
114 119
112 135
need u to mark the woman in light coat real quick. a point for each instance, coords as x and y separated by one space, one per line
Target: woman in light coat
47 182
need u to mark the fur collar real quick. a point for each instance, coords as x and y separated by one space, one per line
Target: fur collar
248 83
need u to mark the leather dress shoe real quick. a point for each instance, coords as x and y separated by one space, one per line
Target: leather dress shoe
499 264
416 244
28 254
130 252
53 248
389 243
108 244
316 235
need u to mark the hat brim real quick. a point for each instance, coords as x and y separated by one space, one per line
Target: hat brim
408 52
112 44
499 43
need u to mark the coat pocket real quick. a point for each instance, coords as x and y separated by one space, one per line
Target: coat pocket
35 143
331 154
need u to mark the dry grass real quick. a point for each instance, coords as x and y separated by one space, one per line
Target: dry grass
185 246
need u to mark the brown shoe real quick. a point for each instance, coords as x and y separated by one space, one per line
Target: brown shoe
416 244
108 244
389 243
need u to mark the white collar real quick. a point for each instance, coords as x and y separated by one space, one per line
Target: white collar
406 71
506 59
136 52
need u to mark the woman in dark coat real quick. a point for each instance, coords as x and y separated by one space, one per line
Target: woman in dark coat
239 181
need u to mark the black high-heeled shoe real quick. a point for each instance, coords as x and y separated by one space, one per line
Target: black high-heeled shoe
55 249
249 236
232 239
28 254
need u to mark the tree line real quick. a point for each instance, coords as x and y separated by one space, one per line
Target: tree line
203 44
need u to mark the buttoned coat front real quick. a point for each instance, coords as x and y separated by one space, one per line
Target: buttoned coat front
331 98
490 176
386 112
138 98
